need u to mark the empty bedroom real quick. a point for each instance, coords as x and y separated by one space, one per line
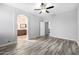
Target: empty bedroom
39 28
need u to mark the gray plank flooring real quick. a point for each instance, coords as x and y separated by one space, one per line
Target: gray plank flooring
42 46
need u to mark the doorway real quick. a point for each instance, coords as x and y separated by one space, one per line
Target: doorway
44 29
22 29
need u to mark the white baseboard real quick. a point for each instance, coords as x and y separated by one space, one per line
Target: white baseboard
8 44
65 38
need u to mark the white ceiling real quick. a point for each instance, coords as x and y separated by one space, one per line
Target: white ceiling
59 7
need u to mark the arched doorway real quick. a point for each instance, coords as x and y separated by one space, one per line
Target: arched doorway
22 29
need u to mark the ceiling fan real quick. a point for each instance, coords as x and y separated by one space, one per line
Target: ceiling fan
43 8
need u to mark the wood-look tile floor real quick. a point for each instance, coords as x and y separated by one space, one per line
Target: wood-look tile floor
41 46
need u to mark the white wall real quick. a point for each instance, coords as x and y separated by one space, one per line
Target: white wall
8 23
33 26
7 32
64 25
78 24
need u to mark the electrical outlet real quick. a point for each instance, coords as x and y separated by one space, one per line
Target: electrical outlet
8 41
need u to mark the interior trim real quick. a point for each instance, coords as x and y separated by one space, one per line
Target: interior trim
8 44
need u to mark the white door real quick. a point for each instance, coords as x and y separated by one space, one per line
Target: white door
42 28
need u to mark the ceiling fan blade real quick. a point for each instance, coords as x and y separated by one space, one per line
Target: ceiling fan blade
40 12
37 9
50 7
47 11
